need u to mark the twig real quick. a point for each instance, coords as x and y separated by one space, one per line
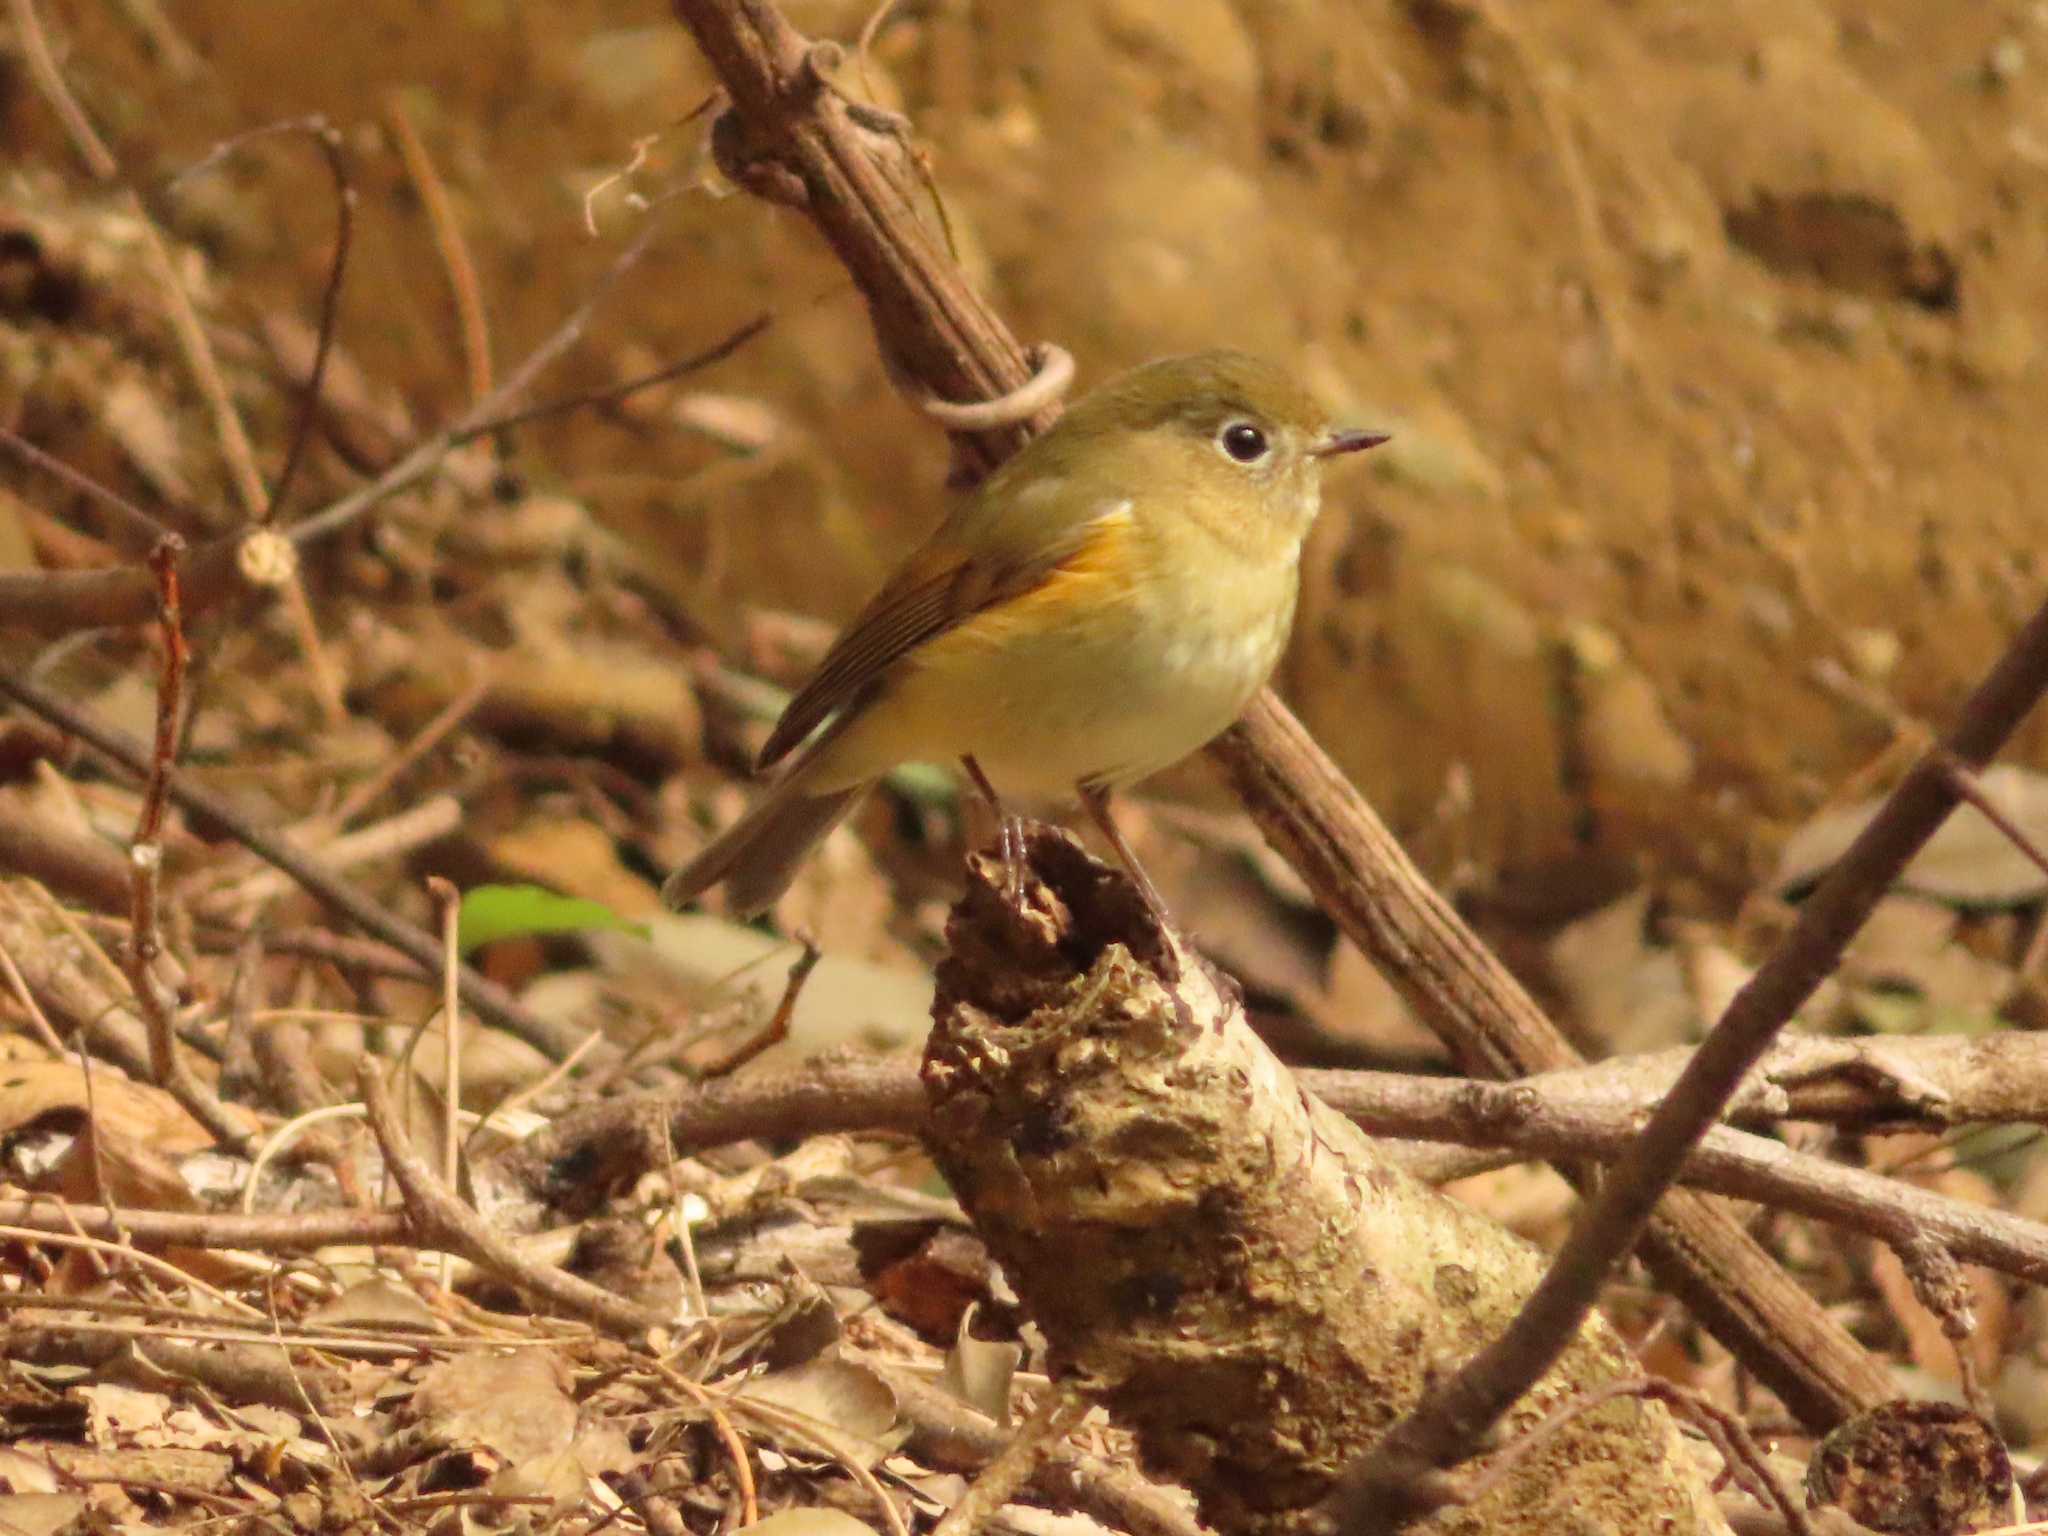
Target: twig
540 1087
338 949
440 1219
1051 1422
585 1152
641 147
1870 1084
449 900
869 31
146 850
232 436
777 1029
326 680
98 1013
240 1072
275 1144
487 416
1728 1162
229 432
39 1022
790 140
145 857
297 1232
825 1436
73 1235
358 1347
735 1448
49 79
1052 376
490 1000
589 1150
328 141
1965 782
1443 1428
948 1433
1939 1286
392 769
455 259
608 1143
717 352
686 1238
134 520
1366 881
429 820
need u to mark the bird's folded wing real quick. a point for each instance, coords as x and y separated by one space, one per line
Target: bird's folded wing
940 587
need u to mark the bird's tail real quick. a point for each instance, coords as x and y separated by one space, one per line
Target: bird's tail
757 856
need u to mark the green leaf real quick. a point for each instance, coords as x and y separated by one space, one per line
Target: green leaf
491 912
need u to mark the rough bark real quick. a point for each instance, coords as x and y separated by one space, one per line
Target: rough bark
1255 1293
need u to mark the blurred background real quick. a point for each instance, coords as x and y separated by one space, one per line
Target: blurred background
1709 334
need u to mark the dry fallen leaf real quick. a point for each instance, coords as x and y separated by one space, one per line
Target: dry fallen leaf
979 1371
1968 861
140 1111
39 1514
845 1002
377 1303
1626 992
848 1408
515 1404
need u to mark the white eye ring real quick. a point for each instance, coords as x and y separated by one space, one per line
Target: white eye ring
1243 442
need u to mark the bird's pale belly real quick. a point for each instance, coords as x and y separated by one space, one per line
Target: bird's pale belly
1112 699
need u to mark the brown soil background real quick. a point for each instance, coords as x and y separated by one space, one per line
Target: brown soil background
1711 335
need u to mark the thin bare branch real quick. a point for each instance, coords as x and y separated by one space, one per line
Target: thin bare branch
777 1029
441 1220
463 286
137 523
717 352
328 141
146 849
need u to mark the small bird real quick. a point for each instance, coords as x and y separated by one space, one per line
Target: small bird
1102 605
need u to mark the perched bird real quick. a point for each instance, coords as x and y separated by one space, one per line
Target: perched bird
1102 605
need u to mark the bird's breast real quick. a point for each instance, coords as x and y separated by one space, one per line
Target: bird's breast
1110 673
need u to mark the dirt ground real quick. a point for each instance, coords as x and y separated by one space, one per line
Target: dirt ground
1710 334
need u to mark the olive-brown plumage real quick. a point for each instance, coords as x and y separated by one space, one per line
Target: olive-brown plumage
1100 607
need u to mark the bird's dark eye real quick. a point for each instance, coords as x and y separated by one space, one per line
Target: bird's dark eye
1244 442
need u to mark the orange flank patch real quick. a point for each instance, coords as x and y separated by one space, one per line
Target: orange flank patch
1097 573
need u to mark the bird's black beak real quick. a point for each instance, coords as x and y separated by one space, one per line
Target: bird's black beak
1345 440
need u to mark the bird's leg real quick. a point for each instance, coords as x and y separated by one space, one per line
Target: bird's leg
1009 830
1095 799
